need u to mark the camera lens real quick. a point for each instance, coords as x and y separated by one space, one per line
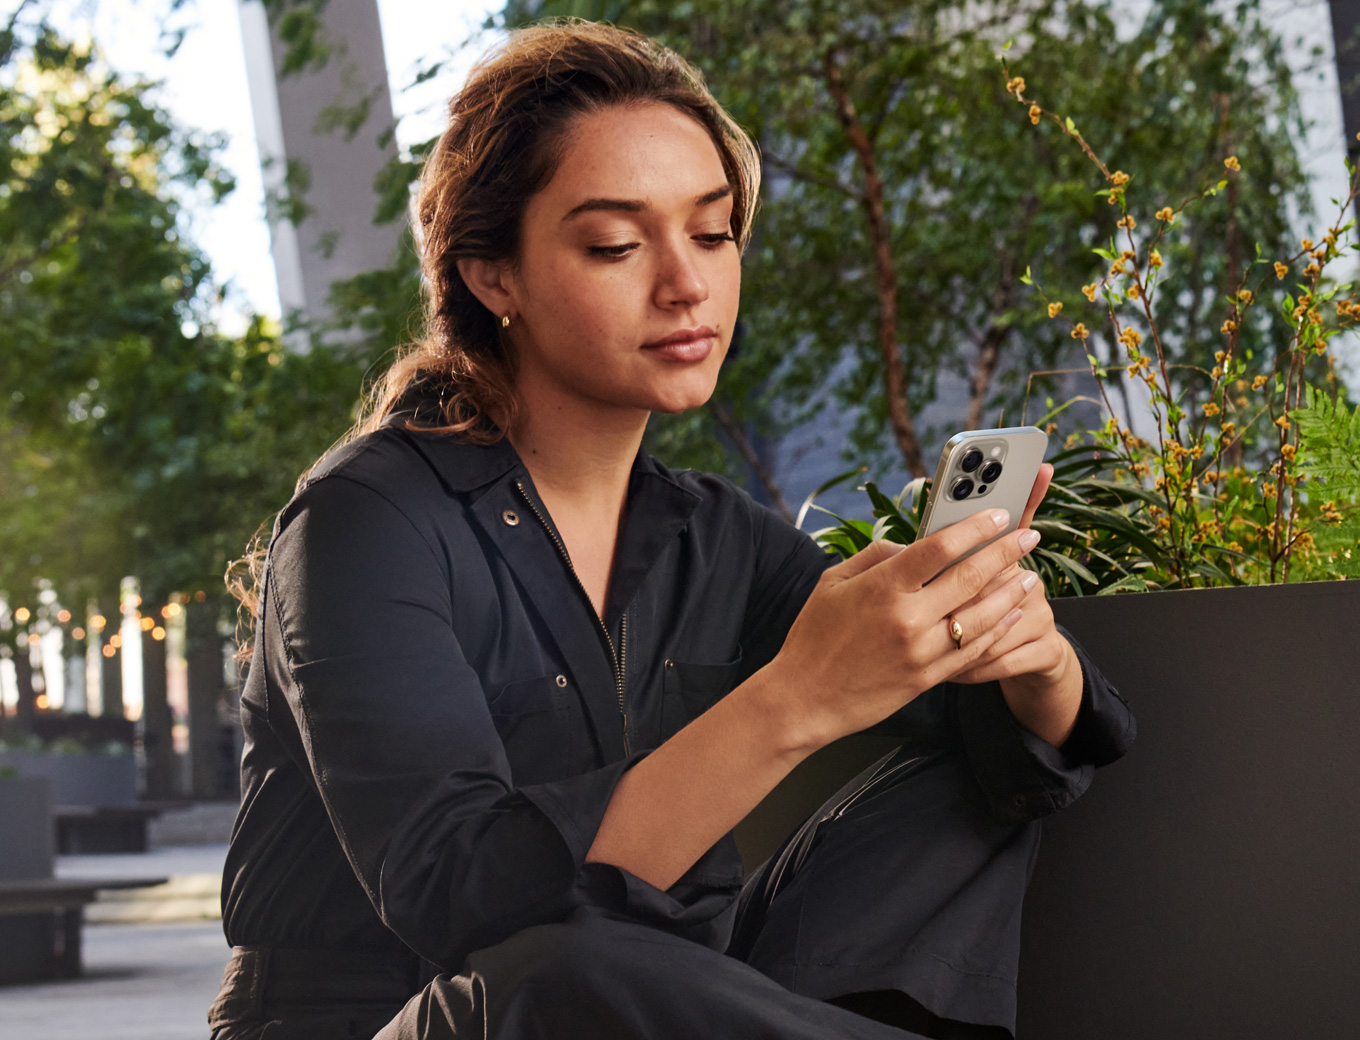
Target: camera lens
962 488
990 472
971 460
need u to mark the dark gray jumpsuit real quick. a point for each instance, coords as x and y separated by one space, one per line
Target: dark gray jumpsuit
435 719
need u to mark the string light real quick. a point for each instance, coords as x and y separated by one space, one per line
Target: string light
109 650
22 615
63 615
147 624
115 640
98 622
77 633
158 633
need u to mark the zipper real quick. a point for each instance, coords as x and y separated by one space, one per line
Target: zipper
617 657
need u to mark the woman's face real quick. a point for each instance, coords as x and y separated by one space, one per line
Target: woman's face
628 279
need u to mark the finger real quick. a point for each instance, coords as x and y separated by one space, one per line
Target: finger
974 645
980 618
968 577
864 560
1029 656
925 559
1037 493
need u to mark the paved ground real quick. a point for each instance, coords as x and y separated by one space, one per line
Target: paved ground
148 980
141 982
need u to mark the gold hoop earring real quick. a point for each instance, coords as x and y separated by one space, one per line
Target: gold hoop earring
505 322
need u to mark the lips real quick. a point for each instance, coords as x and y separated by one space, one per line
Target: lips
685 345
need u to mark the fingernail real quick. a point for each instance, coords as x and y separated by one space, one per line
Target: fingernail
1000 517
1029 538
1013 617
1029 580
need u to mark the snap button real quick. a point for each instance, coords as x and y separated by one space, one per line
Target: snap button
670 663
561 680
510 517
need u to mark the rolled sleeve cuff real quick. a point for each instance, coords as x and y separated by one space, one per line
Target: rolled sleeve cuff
1024 776
698 907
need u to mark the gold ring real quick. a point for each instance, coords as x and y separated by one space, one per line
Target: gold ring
955 630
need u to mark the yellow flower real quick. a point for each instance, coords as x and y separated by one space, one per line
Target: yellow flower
1134 292
1307 243
1319 254
1219 355
1287 452
1015 85
1231 163
1218 371
1241 402
1079 331
1116 268
1054 309
1227 430
1229 326
1245 296
1051 428
1130 338
1119 178
1280 270
1089 291
1210 408
1166 213
1127 254
1311 270
1282 422
1035 114
1258 382
1154 260
1127 223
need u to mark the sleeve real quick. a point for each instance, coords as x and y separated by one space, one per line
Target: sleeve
788 564
1024 776
397 735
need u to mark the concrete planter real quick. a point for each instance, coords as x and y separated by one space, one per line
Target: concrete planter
1206 884
26 826
89 779
27 940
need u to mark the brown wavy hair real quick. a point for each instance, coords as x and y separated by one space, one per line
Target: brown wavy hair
508 129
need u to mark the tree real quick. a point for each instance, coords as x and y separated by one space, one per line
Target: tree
137 439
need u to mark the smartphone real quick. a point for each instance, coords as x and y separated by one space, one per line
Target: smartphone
984 469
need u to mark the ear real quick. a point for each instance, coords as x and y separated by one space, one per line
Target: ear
490 282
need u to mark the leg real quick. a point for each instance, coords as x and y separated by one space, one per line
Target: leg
593 976
903 882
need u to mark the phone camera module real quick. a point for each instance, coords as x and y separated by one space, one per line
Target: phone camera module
962 488
972 459
990 472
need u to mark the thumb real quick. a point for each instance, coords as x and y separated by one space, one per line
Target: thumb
864 560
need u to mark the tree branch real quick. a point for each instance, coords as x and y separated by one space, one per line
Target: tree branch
727 422
899 412
801 174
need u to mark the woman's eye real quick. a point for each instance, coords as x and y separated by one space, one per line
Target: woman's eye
716 240
612 252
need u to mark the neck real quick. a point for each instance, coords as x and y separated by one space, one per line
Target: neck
578 456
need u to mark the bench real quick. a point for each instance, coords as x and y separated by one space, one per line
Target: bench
40 924
98 829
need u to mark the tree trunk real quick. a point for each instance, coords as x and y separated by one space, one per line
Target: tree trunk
899 412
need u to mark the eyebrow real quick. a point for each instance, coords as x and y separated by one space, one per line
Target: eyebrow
638 206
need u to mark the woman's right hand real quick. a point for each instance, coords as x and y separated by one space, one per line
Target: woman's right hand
873 636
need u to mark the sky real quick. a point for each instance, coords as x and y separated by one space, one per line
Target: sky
204 86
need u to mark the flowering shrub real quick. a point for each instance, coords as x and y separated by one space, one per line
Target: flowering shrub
1216 518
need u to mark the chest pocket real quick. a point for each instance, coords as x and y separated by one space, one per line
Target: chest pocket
541 724
689 690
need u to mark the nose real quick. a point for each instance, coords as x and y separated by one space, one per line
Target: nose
679 281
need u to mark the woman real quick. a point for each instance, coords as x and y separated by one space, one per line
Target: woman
514 682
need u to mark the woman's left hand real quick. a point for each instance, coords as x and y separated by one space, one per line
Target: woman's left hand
1038 670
